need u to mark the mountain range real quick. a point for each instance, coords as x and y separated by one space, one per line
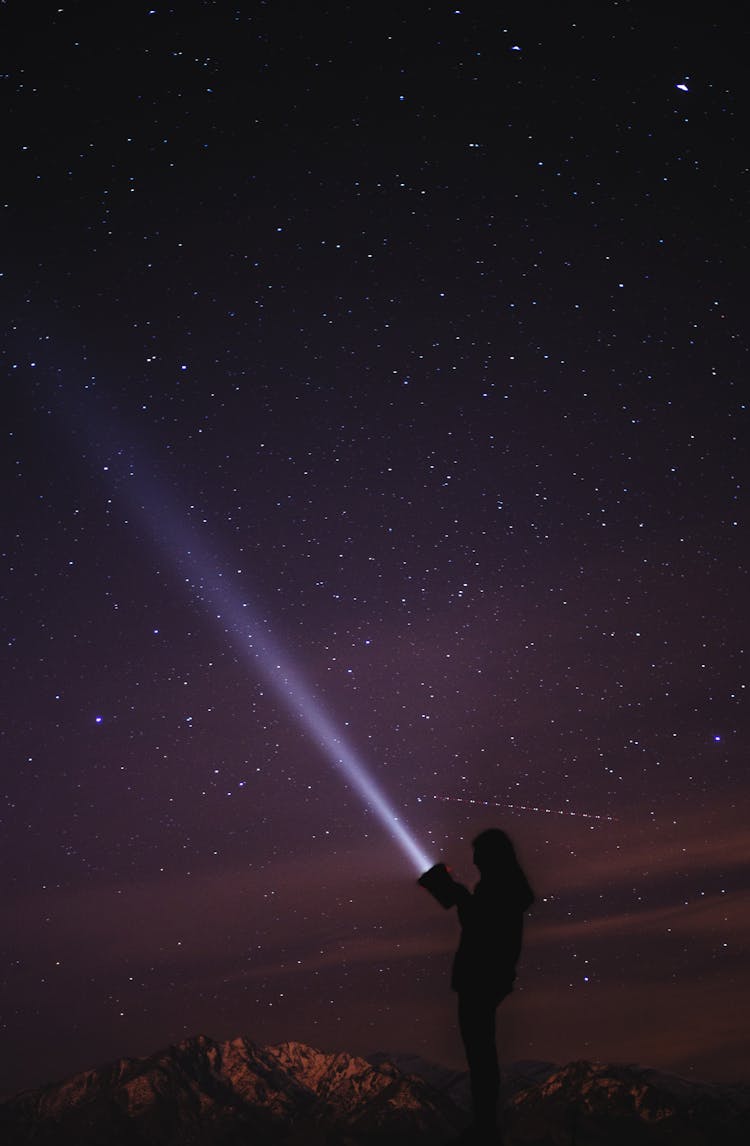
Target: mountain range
208 1093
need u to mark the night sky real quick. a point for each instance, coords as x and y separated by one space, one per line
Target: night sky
416 336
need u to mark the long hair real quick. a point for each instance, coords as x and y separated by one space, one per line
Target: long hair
496 859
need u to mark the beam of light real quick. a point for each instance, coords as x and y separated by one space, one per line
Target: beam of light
220 595
520 807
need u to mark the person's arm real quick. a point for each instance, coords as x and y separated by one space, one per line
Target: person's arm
443 887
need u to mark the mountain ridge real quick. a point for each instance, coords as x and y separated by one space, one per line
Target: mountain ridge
202 1092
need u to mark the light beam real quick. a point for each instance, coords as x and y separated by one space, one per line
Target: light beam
250 634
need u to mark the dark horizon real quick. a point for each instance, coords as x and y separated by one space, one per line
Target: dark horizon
426 332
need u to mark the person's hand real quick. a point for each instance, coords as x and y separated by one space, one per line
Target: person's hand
440 884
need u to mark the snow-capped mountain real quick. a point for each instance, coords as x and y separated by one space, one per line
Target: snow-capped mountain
628 1105
206 1093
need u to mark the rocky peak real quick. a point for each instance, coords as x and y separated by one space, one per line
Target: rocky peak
208 1093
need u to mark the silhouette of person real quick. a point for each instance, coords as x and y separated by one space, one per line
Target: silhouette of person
484 967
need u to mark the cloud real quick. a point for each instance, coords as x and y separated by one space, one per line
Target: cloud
714 915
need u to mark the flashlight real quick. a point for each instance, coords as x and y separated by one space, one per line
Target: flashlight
440 884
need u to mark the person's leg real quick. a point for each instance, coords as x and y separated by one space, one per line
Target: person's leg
476 1021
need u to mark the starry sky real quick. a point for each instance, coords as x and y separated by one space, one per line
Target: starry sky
418 333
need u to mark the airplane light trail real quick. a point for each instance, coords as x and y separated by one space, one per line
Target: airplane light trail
520 807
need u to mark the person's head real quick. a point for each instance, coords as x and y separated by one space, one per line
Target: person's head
494 852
